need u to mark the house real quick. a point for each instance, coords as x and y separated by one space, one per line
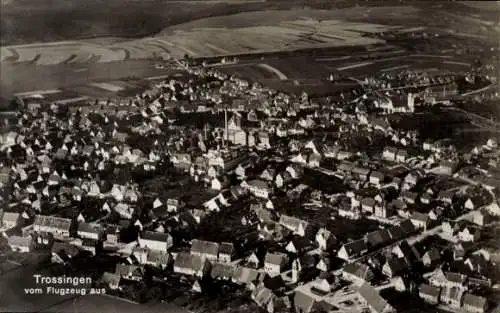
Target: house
410 197
112 234
482 218
376 178
274 263
192 265
420 220
226 252
378 238
9 220
295 170
371 298
89 245
205 249
19 244
452 297
325 239
264 297
160 259
431 257
429 294
62 251
469 233
174 205
297 245
352 250
141 254
446 196
111 280
268 174
303 302
401 156
477 263
56 225
131 272
389 153
357 272
461 249
394 267
314 160
360 173
259 188
90 231
475 304
368 205
245 275
296 225
222 271
156 240
282 179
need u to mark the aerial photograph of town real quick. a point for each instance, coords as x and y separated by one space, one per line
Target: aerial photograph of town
249 156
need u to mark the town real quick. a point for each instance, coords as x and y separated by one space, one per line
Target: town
217 193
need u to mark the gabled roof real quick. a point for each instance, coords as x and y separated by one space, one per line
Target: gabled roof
204 247
88 228
275 258
429 290
52 221
9 216
222 270
226 248
355 247
359 270
19 241
159 257
373 299
155 236
245 274
189 261
474 301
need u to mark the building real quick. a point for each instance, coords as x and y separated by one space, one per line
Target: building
259 188
352 250
274 263
420 220
452 297
371 298
296 225
156 241
9 219
357 273
19 244
192 265
475 304
89 231
160 259
59 227
205 249
226 252
429 294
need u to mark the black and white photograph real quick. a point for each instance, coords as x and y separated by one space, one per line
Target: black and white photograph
249 156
